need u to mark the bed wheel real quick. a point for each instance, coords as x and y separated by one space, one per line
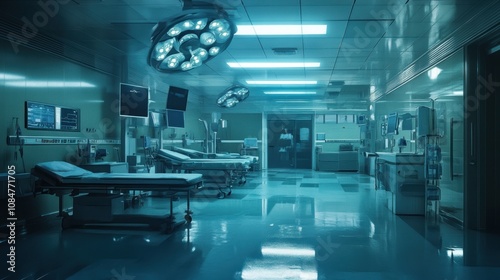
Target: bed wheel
66 222
221 195
188 218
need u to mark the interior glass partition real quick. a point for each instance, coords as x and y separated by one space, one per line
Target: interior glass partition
441 88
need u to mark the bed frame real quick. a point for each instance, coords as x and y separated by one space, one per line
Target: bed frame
94 192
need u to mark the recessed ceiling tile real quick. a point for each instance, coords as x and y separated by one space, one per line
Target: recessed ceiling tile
239 42
348 65
114 13
310 53
254 3
310 42
332 12
270 14
247 54
280 42
367 28
359 43
411 29
157 12
374 12
348 53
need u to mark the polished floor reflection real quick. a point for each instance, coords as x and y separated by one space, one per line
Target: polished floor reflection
282 224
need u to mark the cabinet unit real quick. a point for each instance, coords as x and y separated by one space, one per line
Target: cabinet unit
402 176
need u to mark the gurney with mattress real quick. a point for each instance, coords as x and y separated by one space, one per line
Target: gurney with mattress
198 154
233 170
96 192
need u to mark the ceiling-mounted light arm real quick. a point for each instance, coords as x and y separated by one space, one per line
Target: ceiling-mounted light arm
190 39
189 4
232 96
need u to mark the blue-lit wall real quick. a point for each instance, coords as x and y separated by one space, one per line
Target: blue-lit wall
22 77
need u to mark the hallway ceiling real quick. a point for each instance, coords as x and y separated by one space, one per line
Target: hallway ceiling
368 43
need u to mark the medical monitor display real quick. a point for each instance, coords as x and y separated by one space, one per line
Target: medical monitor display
392 124
175 119
134 101
67 119
177 98
51 117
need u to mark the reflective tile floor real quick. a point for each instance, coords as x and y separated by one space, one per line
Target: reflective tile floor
282 224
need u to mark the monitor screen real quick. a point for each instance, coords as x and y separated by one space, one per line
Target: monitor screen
392 123
51 117
40 116
175 118
67 119
134 101
177 98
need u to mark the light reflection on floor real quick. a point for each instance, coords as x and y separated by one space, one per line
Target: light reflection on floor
317 226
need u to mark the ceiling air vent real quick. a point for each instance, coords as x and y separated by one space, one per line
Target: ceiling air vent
331 94
285 51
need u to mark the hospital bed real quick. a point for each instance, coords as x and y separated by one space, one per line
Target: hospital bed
97 197
197 154
233 170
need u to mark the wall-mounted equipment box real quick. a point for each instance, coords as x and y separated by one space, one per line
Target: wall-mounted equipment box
426 121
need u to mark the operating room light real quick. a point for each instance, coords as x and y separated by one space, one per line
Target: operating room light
232 96
190 39
283 30
273 64
285 82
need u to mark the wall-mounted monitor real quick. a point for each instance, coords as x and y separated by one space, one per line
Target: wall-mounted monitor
175 119
134 101
177 98
51 117
392 124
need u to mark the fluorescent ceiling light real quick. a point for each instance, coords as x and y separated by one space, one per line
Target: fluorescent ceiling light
434 73
278 272
52 84
273 64
252 82
289 92
294 101
8 76
287 252
281 29
455 252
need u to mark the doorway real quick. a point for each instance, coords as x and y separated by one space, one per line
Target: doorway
289 139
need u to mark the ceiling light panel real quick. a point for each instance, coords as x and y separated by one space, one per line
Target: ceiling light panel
281 30
273 64
284 82
289 92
